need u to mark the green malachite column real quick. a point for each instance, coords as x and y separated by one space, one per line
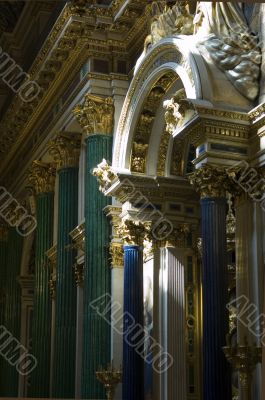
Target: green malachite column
42 176
3 276
96 117
65 150
13 306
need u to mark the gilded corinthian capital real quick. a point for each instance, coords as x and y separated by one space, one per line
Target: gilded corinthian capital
42 177
65 149
96 115
134 232
210 181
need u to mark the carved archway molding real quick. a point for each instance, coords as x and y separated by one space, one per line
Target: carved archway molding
170 60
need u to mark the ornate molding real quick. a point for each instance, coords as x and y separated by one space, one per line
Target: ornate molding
78 237
65 149
42 177
210 181
177 109
105 175
176 238
96 115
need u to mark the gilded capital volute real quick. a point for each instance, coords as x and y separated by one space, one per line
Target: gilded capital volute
95 115
42 177
210 181
65 149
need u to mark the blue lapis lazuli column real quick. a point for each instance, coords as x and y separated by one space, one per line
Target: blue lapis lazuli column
216 371
133 337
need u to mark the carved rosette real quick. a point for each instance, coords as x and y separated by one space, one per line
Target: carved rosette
96 115
210 181
65 149
42 177
105 175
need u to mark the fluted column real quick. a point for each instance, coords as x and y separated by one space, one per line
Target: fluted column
13 306
3 277
42 177
211 183
96 118
65 151
133 234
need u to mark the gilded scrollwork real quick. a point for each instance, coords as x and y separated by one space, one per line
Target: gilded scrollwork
176 110
96 115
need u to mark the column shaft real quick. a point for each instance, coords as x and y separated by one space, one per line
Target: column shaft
41 332
3 277
65 312
133 363
97 272
13 307
216 370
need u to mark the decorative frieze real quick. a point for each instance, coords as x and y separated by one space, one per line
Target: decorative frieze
65 149
96 115
42 177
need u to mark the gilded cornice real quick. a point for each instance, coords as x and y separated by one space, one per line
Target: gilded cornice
96 115
42 177
210 181
65 149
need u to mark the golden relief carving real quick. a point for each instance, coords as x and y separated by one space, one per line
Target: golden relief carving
134 232
42 177
116 252
162 155
96 115
145 122
177 159
210 181
65 149
105 175
176 238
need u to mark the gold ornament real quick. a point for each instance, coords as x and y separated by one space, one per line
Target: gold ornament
210 181
42 177
96 115
105 175
65 149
